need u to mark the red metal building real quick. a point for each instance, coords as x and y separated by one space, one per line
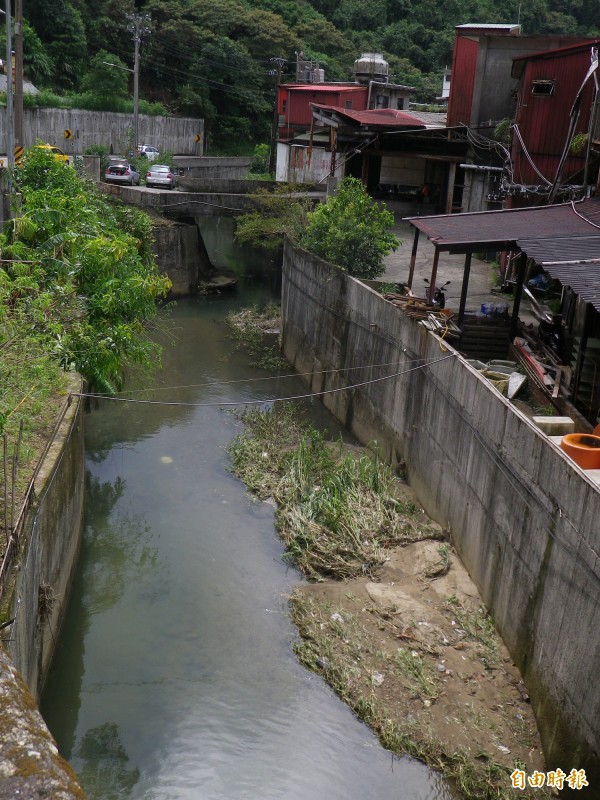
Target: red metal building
547 116
293 103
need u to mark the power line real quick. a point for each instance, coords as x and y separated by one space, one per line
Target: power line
217 382
265 400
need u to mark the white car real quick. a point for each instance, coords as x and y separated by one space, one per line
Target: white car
147 150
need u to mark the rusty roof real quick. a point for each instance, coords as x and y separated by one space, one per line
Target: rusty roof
500 230
572 260
380 117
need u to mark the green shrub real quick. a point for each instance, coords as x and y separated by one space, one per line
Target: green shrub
352 231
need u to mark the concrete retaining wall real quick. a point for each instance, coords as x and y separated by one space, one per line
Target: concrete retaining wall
223 185
182 204
181 254
523 517
113 131
36 597
49 550
215 167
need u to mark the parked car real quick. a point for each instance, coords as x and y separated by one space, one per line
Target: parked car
119 170
160 175
55 151
147 150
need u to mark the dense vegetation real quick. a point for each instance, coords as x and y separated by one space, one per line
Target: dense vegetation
213 58
78 284
350 230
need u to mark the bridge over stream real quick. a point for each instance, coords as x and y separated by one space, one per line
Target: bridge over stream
223 198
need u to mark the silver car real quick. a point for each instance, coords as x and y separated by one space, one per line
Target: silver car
161 176
121 171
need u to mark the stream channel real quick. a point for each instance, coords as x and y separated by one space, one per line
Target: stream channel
174 676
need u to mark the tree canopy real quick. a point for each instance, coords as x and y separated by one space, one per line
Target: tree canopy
213 58
351 230
78 276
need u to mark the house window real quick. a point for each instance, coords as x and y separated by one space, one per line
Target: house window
382 101
348 103
543 88
284 106
401 104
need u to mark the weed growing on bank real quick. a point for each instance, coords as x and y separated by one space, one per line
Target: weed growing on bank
337 513
250 329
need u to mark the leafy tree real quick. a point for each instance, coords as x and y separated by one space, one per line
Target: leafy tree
105 81
37 63
277 214
105 23
352 231
82 269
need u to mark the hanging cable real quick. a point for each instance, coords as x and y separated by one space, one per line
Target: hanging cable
263 401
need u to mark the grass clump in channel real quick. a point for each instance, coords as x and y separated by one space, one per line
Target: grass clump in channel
253 330
337 513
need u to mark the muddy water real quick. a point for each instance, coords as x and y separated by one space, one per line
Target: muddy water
174 676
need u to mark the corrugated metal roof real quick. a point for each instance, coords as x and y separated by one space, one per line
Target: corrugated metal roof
500 230
324 87
574 261
433 119
380 117
563 249
498 26
581 45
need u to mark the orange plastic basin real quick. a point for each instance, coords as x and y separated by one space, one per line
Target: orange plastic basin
583 448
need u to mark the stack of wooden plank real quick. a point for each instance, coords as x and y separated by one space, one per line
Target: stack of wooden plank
438 320
541 363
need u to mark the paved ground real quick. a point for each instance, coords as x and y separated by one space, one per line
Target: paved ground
450 267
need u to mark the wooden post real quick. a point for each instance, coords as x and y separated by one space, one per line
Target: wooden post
450 192
413 258
465 288
431 291
518 293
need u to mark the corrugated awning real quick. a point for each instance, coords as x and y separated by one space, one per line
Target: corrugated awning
501 230
572 260
374 118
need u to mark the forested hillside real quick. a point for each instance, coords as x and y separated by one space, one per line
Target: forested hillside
212 58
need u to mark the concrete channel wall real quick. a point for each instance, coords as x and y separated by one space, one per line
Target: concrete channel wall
181 254
36 597
523 517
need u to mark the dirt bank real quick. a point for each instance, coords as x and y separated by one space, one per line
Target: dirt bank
418 659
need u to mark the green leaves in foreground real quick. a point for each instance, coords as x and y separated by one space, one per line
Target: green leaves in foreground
336 512
78 279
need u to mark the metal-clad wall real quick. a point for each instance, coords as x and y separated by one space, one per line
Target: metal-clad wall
298 111
464 65
544 119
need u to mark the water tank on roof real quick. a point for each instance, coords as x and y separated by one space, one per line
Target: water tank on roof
371 67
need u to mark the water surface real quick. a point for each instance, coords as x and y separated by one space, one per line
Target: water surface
174 676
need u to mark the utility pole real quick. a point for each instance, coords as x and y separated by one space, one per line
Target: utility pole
272 152
19 73
10 136
138 25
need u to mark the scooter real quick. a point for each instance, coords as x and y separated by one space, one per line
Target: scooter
439 294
